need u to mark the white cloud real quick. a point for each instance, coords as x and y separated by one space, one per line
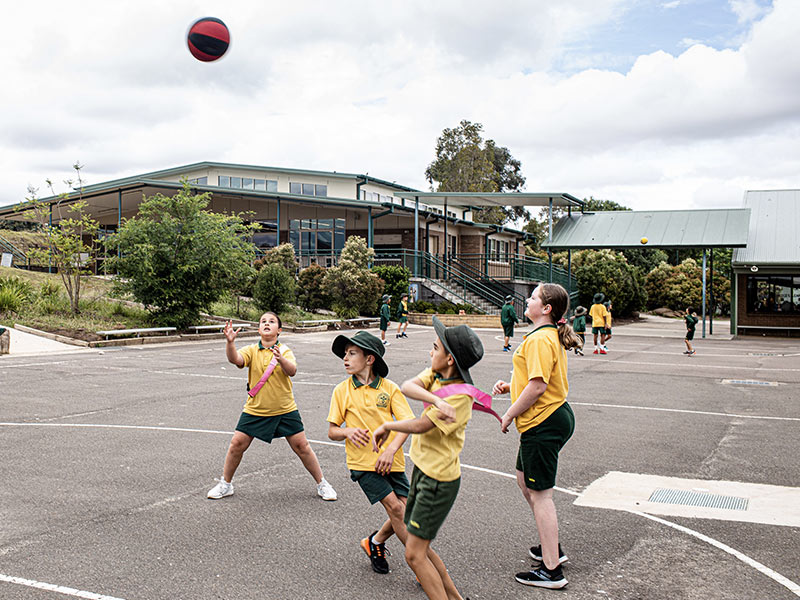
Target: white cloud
747 11
673 4
367 86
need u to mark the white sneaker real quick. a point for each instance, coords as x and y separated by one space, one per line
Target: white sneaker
385 343
222 489
325 491
605 348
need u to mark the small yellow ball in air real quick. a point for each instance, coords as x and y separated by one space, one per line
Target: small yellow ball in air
643 240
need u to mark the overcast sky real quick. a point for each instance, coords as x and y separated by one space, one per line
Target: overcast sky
653 104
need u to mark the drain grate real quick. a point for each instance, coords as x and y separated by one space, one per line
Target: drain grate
764 354
749 382
704 499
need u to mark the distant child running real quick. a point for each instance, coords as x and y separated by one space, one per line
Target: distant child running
608 324
579 326
402 316
386 316
545 421
691 322
270 411
435 450
598 313
508 316
365 401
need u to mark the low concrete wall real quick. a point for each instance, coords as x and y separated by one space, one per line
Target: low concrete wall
482 321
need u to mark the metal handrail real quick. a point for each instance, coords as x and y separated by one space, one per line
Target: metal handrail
13 250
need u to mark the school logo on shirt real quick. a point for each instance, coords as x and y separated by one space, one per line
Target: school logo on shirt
383 400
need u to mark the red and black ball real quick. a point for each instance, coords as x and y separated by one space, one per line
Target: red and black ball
208 39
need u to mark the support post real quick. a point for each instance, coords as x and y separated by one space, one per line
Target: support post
370 234
550 239
711 295
278 227
446 241
569 271
416 236
704 292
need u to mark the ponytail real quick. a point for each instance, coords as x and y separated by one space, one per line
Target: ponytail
558 298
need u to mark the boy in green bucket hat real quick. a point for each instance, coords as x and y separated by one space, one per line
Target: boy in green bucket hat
435 450
363 402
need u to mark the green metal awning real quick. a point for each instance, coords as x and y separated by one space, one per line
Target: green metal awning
717 228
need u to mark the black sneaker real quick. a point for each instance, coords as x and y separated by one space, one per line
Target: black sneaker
403 334
543 577
377 554
536 554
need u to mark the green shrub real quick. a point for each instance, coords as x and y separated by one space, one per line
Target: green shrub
274 288
310 293
12 282
53 304
49 288
11 300
681 286
353 289
282 255
395 280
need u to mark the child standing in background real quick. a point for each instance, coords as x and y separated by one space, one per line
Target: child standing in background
508 316
402 316
598 314
579 326
386 316
691 322
608 325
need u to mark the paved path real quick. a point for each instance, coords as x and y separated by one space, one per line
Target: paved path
107 458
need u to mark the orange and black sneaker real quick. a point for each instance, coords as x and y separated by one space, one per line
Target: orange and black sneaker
376 553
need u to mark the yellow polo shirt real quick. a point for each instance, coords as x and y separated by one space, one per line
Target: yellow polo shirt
368 407
608 318
436 452
598 313
540 355
276 397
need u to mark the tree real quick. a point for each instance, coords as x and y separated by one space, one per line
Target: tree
71 242
310 292
464 163
395 281
282 255
177 258
352 288
609 272
274 288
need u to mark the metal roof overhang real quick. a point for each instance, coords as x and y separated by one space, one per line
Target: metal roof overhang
717 228
473 199
104 200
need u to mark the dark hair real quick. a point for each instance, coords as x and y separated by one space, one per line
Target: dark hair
689 309
558 298
274 314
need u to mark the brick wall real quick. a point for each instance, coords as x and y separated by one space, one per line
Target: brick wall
471 244
450 320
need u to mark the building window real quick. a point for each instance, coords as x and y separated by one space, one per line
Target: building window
778 294
224 181
320 190
247 183
267 237
322 236
199 181
308 189
236 182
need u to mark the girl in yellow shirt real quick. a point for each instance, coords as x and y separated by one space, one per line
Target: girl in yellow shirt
545 421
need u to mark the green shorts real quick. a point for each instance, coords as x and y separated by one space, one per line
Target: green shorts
384 324
402 319
429 503
377 486
607 330
598 330
268 428
539 446
690 334
508 330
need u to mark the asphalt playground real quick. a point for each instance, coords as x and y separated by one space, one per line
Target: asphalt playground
107 456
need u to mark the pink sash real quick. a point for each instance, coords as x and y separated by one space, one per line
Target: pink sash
267 372
482 400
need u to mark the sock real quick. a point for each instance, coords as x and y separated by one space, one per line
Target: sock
374 541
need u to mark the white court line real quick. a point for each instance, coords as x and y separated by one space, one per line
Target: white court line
681 410
698 366
56 588
774 575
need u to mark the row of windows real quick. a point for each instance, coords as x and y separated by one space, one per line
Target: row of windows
773 294
498 250
337 224
248 183
308 189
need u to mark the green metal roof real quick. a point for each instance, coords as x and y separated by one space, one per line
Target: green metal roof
492 198
718 228
774 229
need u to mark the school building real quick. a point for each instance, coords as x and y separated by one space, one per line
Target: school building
765 288
449 255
